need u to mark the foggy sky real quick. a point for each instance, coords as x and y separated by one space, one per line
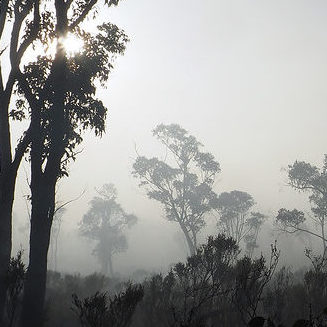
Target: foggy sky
247 78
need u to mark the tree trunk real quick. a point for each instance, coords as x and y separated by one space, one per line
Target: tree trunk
104 267
35 283
190 244
5 248
44 180
111 269
7 187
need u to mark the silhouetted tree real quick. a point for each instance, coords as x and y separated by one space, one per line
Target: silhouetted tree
60 93
17 34
104 223
305 177
236 220
184 190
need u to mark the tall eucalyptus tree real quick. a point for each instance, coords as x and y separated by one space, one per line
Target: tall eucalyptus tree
61 103
20 26
184 187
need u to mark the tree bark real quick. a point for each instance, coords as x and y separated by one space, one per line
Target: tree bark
8 175
43 200
9 167
43 182
7 186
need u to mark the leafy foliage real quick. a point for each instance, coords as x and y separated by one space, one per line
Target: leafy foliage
81 72
289 218
305 177
236 220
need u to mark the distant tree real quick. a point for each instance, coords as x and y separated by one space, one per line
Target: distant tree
236 219
254 222
305 177
185 188
105 223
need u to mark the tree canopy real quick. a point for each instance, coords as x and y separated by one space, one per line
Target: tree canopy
184 187
237 220
305 177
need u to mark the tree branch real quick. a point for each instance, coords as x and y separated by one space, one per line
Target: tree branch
299 229
82 16
21 148
3 14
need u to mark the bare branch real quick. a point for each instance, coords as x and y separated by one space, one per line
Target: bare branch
69 201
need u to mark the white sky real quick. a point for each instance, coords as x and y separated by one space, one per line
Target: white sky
247 78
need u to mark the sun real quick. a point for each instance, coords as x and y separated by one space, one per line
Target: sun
72 44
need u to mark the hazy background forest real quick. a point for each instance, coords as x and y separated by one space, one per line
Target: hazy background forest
247 79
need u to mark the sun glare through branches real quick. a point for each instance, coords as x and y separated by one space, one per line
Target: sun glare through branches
72 44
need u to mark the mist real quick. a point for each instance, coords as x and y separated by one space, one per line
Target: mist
247 79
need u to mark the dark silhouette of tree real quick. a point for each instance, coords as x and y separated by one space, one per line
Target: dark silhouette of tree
184 190
305 177
22 32
236 219
61 104
105 223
